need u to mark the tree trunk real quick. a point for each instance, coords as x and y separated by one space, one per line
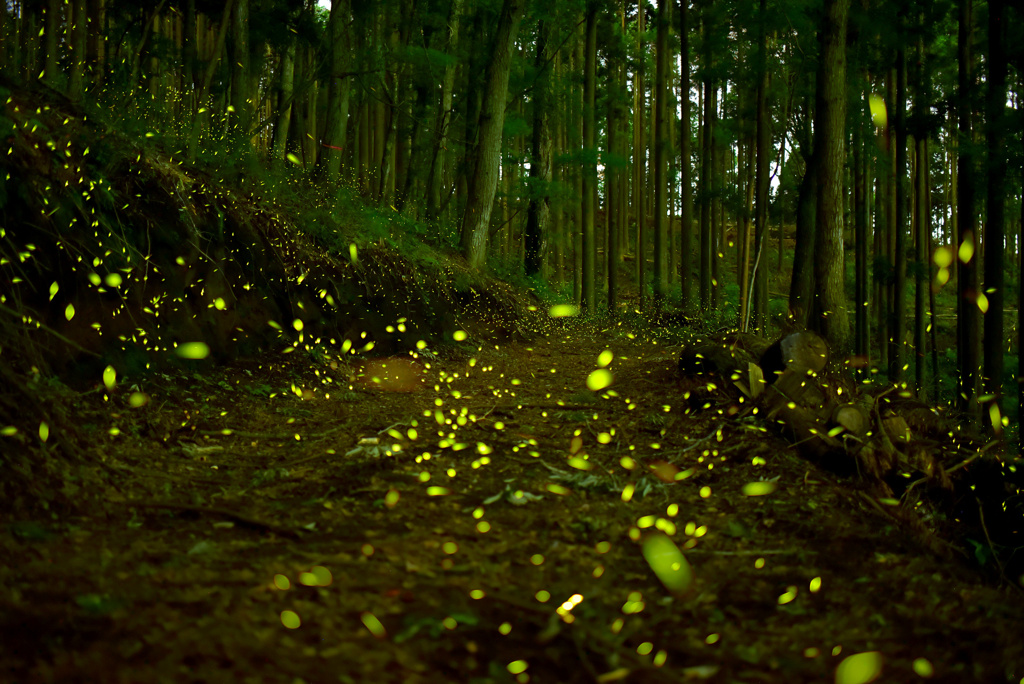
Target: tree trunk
806 239
443 117
576 68
202 116
883 268
189 56
336 125
555 264
7 40
1020 316
241 97
704 192
614 173
477 217
660 140
365 143
715 200
285 94
540 161
640 161
588 294
78 38
743 251
995 230
967 289
922 228
388 135
829 304
898 322
781 214
50 42
685 165
762 154
861 346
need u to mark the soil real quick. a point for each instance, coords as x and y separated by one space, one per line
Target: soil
308 518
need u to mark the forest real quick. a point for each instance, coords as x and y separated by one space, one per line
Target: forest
660 155
255 253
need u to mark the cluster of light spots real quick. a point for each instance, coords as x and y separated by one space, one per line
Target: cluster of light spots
316 576
789 595
564 611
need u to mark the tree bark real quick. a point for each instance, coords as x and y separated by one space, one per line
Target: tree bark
704 192
241 97
78 38
967 289
339 88
715 180
922 228
898 322
202 114
995 229
286 74
746 154
50 42
477 217
588 293
640 161
443 117
660 139
611 187
540 162
685 165
806 235
829 309
861 347
189 56
759 319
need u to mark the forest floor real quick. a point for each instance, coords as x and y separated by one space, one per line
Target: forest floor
293 519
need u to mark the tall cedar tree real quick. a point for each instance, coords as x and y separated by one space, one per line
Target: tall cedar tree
640 156
660 140
829 304
762 154
588 294
477 218
995 230
339 88
540 159
685 162
898 320
967 304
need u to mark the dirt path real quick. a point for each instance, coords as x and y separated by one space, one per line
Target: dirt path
476 518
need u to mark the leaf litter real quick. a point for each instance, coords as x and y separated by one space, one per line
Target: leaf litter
480 528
